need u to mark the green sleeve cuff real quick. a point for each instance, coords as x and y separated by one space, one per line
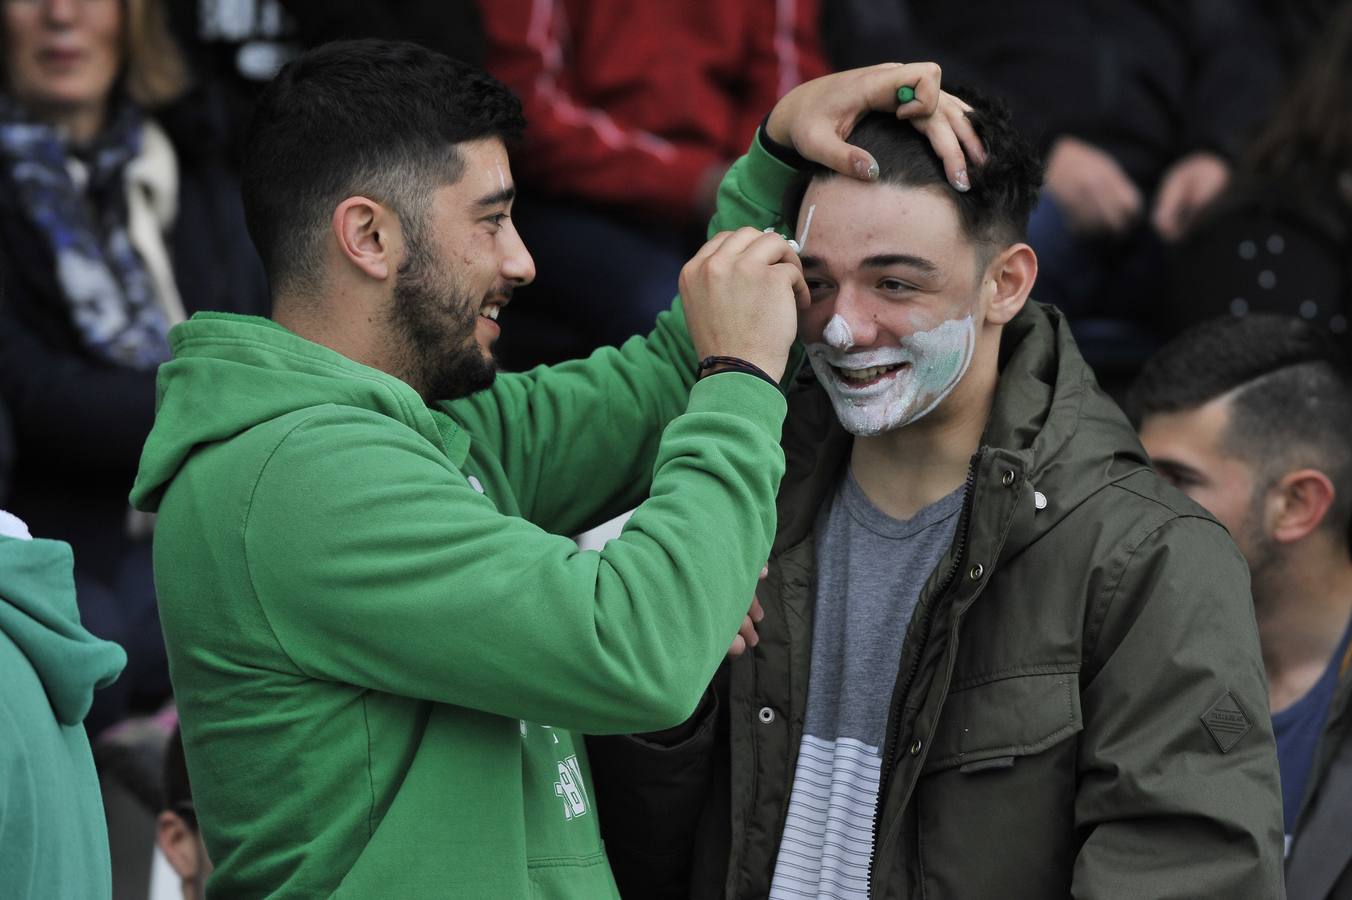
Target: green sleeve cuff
752 398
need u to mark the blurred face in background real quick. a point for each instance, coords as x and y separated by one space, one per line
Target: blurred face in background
63 56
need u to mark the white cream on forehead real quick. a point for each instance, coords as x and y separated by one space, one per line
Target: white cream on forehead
502 179
938 359
807 226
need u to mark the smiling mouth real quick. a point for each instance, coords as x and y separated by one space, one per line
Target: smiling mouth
870 375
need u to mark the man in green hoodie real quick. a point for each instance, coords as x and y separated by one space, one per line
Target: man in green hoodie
53 839
381 646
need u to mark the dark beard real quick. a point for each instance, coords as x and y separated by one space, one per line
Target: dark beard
442 360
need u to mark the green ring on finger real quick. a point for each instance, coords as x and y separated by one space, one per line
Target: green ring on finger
905 94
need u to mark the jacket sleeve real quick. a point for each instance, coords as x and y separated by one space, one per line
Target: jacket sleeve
410 582
1178 791
574 147
603 415
651 795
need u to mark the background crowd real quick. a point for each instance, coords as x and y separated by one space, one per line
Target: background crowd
1199 163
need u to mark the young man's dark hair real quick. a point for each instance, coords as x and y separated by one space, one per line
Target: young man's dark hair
1292 404
375 118
1003 191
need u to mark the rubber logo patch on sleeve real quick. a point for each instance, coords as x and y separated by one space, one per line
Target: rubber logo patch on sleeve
1227 722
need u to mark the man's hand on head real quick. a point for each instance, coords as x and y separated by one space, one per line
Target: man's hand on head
815 118
740 292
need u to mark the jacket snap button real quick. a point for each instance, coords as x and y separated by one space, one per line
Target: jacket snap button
766 715
915 747
1009 478
977 572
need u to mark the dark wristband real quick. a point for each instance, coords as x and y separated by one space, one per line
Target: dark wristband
732 364
785 154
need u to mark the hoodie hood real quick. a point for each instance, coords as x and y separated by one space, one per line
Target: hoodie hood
1050 422
231 372
38 613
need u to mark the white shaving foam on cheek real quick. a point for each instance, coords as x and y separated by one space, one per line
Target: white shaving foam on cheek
938 359
838 334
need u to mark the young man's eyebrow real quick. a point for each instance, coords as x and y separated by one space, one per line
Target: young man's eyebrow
887 260
506 195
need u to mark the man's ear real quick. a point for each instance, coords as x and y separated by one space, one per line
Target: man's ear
366 232
1009 280
178 843
1298 503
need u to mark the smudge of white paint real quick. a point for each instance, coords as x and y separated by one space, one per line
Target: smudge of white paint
933 363
793 245
807 225
502 179
838 334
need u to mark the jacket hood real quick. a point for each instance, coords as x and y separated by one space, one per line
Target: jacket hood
38 613
1050 419
231 372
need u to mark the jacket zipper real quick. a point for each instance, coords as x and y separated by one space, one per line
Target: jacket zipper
894 714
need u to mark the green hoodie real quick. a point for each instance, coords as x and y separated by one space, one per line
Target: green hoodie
53 840
381 646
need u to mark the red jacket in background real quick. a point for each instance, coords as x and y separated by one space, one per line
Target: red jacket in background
628 103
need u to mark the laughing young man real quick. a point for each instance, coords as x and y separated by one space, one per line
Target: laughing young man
1000 657
381 646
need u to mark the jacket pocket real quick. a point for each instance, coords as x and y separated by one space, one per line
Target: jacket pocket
1000 776
990 725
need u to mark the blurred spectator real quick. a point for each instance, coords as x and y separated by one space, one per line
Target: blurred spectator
1141 107
634 112
1250 418
176 830
53 841
116 218
1279 240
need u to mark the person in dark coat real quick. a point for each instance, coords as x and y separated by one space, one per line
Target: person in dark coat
117 218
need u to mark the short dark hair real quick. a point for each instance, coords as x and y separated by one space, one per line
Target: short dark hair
1004 189
376 118
1292 396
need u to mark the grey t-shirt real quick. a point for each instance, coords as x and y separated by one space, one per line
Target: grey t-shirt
870 571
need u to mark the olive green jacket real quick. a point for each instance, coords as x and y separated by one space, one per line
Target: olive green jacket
1081 708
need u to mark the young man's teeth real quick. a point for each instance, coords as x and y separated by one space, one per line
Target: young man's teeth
868 374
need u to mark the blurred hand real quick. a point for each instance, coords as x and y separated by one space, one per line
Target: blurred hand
815 118
1188 187
740 291
1091 188
746 635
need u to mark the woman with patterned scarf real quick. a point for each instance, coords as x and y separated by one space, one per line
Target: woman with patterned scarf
118 217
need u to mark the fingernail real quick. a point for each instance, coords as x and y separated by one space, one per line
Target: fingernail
765 570
960 181
866 169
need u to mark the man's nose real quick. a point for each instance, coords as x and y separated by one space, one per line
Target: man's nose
854 313
517 265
